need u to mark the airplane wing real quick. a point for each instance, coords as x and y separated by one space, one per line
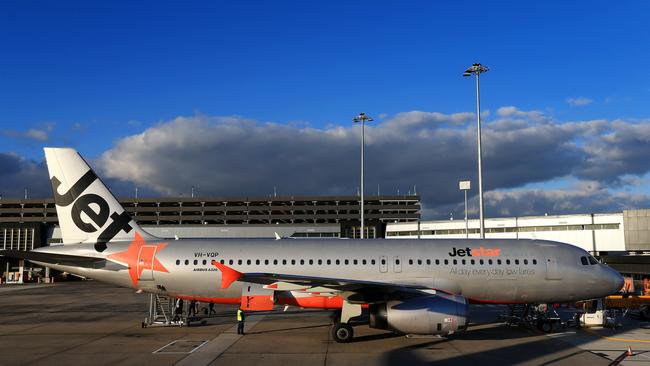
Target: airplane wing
353 290
53 258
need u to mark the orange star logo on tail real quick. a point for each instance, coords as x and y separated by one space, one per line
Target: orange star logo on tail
140 256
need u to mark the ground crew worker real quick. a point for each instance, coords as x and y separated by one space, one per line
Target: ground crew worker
240 321
211 307
178 311
192 309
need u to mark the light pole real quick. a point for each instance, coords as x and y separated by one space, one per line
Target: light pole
465 185
478 69
362 118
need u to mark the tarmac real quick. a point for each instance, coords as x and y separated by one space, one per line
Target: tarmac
90 323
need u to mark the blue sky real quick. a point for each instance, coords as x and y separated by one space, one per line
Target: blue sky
89 74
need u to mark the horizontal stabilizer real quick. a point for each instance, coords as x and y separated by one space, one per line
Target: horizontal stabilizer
54 258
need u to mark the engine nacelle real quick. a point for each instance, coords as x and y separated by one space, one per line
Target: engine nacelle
437 314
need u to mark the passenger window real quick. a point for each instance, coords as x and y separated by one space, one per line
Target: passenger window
507 261
347 262
293 262
397 261
205 262
419 262
257 262
178 261
428 261
248 261
411 261
383 261
284 262
455 261
472 261
302 262
464 261
584 261
499 261
481 261
231 262
490 261
525 261
338 262
372 261
329 261
354 262
320 261
437 261
534 261
311 262
275 262
517 261
363 261
187 262
222 261
446 261
266 261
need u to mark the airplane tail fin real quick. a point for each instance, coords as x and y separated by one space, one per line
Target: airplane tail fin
87 211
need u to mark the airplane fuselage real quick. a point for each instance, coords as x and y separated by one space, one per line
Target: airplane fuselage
489 270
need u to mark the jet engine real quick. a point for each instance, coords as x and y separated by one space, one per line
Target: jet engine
437 314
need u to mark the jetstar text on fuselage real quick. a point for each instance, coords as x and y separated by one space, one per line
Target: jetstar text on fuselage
476 252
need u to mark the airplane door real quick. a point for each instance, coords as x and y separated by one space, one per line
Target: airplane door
552 271
383 264
146 258
397 264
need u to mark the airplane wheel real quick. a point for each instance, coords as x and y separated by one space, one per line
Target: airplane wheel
342 332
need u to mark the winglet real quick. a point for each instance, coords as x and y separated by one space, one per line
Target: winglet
228 275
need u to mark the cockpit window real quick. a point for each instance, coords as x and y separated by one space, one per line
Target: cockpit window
584 261
592 260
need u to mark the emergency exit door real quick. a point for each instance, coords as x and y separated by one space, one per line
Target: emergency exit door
397 264
383 264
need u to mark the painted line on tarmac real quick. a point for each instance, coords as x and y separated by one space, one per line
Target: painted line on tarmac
616 338
160 350
217 346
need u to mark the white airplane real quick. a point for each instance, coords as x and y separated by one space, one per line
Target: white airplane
407 286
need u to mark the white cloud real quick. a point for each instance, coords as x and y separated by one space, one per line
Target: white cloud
235 156
36 134
40 133
579 101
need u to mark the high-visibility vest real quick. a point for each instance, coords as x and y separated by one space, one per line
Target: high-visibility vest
240 315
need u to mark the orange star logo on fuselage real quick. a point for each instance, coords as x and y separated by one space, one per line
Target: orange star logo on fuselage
140 256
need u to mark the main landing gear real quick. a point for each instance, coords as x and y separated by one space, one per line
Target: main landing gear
342 331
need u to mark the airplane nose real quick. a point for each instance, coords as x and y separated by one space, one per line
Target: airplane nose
618 281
